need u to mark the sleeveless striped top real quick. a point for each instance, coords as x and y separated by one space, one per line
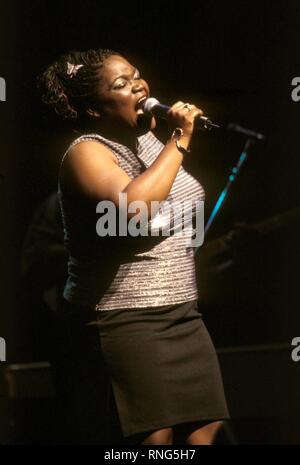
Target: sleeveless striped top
107 273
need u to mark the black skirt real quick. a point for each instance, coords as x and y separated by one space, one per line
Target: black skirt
163 367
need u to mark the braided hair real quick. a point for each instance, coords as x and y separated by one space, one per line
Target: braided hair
69 85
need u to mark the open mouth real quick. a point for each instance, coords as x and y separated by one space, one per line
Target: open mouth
140 104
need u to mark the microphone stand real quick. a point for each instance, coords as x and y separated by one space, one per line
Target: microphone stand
232 177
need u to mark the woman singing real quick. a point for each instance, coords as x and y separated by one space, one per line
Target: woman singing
138 293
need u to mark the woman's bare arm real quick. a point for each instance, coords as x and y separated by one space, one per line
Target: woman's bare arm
91 170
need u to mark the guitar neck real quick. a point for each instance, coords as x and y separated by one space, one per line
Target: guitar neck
222 244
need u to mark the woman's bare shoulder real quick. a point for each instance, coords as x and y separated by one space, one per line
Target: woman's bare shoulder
91 170
89 150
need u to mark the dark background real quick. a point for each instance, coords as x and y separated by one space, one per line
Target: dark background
236 61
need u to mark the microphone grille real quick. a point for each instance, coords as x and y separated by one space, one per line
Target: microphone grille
149 103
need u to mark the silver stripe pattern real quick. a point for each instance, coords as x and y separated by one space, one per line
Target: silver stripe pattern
163 274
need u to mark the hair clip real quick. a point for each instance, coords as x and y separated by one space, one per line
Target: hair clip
73 69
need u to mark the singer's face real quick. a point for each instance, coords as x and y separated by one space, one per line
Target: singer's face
120 90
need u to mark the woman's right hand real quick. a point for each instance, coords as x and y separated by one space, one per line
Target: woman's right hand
182 115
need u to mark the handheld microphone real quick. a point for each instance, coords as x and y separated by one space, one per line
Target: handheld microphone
151 106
